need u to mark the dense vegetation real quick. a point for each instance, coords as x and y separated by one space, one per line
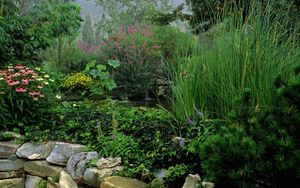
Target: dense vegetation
231 80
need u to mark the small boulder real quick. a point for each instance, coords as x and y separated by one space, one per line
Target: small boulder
62 151
7 149
42 169
12 183
94 176
32 181
35 151
108 162
77 163
192 181
66 181
11 165
121 182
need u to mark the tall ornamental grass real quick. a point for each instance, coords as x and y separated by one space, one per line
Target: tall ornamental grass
246 52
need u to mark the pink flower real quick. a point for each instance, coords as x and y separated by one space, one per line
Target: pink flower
19 66
12 83
21 90
25 81
29 71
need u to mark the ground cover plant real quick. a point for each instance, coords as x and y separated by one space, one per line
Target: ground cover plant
231 82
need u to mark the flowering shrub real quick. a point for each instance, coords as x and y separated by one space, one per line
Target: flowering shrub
135 47
21 90
75 82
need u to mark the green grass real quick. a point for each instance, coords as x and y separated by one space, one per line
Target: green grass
243 55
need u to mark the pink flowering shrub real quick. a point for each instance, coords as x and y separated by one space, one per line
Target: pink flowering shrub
22 90
135 47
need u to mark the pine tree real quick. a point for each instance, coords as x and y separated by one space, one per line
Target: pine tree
88 35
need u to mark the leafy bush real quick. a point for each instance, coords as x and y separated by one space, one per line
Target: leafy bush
136 49
23 96
261 145
103 81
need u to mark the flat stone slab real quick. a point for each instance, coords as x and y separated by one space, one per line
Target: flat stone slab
10 174
42 169
10 165
12 183
76 165
7 149
62 151
35 151
32 181
121 182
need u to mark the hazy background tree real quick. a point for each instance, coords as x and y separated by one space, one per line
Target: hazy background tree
88 34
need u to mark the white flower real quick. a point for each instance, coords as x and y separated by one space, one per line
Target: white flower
1 78
58 96
46 76
50 80
46 83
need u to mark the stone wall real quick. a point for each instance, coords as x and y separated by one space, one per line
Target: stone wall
55 165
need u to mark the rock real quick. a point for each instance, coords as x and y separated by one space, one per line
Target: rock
32 181
35 151
12 183
108 162
10 174
52 184
7 149
192 181
208 184
77 163
94 176
66 181
120 182
42 169
10 165
62 151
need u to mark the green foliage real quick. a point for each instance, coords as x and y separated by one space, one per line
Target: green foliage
43 184
260 146
242 55
103 81
174 43
127 12
74 57
206 13
23 37
176 171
